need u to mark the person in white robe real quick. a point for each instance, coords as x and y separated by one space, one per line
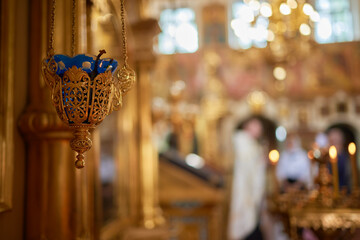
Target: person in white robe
248 181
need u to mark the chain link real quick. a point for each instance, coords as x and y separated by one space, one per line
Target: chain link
52 27
123 32
73 27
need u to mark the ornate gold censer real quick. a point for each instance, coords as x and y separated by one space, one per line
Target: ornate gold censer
85 88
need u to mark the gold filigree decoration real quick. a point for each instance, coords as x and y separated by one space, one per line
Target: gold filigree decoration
53 81
124 79
76 95
101 96
81 143
117 96
329 222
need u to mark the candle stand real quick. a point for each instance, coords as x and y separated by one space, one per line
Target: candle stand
328 214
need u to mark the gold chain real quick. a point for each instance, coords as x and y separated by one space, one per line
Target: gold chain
52 26
73 27
123 31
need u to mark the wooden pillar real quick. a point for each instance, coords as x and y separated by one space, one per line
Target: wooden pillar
58 198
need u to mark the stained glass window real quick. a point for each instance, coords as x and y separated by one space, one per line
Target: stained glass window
244 32
179 31
336 22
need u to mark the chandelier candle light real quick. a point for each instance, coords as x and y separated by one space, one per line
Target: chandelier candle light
85 88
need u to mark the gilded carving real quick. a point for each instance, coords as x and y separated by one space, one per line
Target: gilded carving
75 88
101 96
126 79
123 81
81 143
321 210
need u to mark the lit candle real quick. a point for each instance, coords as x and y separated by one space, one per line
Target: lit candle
334 168
274 158
354 170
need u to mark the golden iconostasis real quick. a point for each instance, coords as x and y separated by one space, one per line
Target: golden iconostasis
202 97
212 89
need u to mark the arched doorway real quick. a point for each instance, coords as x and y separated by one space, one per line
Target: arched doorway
269 130
349 132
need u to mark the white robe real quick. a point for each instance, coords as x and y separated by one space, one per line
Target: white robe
248 186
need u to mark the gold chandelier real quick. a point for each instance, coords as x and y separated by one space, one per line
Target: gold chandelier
284 27
290 30
85 88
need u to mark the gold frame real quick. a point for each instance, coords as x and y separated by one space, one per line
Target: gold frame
6 103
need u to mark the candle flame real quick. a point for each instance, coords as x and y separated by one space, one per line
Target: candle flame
352 148
274 156
332 152
310 154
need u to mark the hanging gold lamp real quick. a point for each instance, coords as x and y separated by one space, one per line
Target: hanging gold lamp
85 88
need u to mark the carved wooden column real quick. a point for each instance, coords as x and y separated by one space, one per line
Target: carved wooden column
57 196
144 32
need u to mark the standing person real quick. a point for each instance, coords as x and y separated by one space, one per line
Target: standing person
248 184
293 169
337 138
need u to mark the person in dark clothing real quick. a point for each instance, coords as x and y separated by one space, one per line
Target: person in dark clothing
255 235
336 137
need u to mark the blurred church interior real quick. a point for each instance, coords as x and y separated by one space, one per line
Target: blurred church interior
163 166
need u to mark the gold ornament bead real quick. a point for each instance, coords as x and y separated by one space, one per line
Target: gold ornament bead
81 143
80 162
